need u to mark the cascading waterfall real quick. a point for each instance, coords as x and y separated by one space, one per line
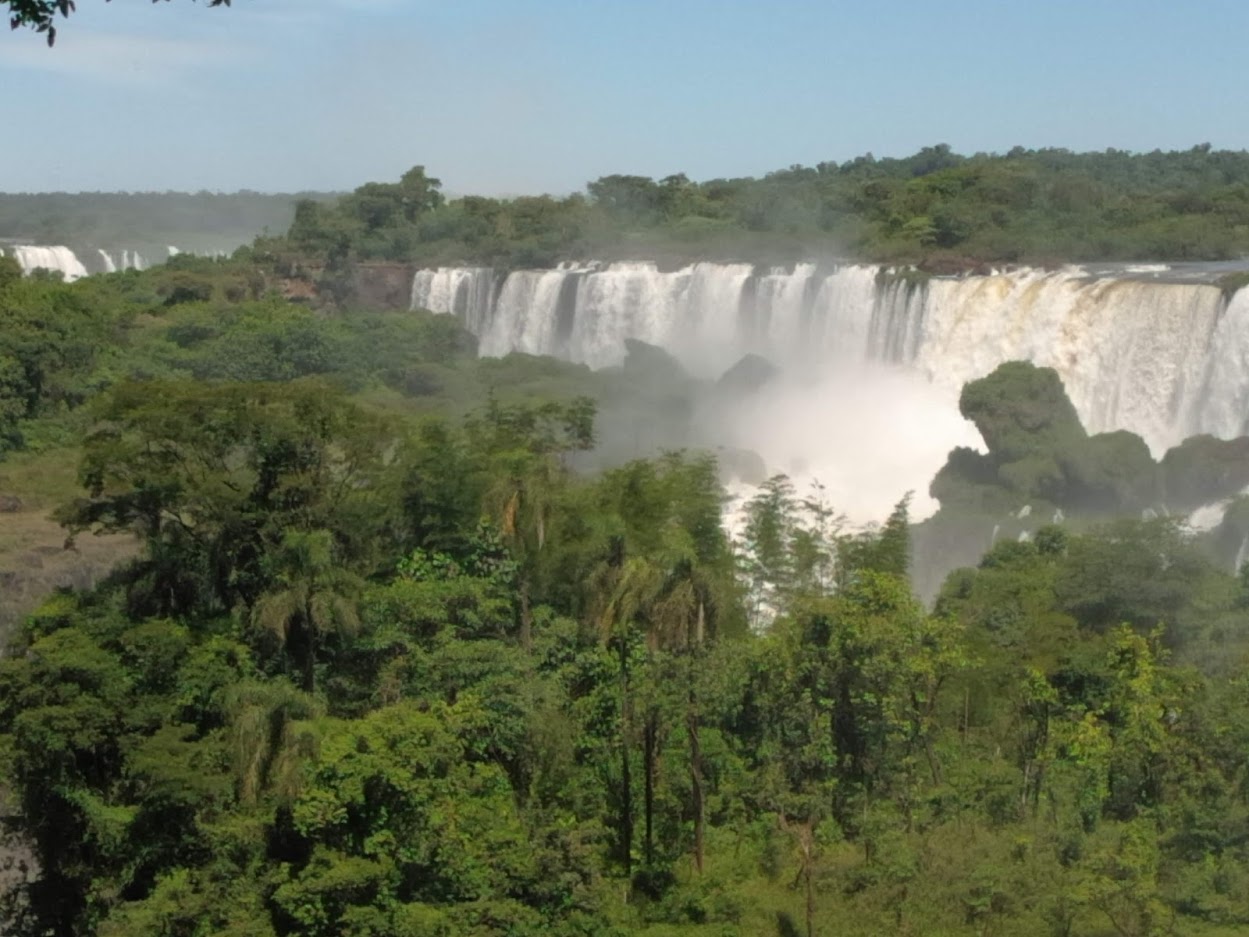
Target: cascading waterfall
56 259
63 260
1219 401
466 292
1164 360
1131 354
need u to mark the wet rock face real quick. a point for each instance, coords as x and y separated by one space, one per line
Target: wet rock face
643 359
1203 469
749 374
382 285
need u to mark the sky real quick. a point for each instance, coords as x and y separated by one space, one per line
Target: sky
503 97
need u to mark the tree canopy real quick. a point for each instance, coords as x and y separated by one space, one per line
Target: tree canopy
40 15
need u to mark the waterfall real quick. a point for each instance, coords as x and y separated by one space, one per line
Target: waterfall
466 292
57 259
1132 354
109 266
1241 555
1164 360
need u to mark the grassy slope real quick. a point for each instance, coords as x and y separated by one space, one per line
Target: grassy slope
33 557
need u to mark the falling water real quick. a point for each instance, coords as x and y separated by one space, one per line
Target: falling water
873 362
1165 360
56 259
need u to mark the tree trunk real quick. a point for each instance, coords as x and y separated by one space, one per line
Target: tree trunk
526 616
649 734
308 638
696 755
805 835
626 807
696 784
810 888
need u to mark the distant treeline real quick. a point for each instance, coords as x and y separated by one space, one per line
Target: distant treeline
935 207
203 220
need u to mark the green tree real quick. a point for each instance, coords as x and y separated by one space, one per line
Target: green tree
40 15
212 478
311 598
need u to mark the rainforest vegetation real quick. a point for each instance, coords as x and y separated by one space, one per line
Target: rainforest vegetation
937 208
942 210
384 639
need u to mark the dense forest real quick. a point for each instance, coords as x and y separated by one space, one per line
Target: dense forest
936 208
386 639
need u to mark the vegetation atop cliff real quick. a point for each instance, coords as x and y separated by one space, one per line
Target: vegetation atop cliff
935 208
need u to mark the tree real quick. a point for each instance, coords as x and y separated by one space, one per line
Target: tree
311 598
211 478
40 15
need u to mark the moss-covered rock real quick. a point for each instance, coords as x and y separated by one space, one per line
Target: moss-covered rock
1203 469
749 374
1040 453
1110 472
1021 410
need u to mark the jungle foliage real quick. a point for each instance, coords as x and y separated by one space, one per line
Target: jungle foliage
394 654
938 208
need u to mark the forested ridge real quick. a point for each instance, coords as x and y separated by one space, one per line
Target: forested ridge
403 641
937 208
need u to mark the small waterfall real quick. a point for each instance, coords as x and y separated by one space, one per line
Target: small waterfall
1241 555
1219 402
109 265
526 316
56 259
466 292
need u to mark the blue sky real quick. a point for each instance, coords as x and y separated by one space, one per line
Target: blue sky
525 96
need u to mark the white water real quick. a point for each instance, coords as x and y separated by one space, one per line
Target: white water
56 259
873 366
467 292
67 263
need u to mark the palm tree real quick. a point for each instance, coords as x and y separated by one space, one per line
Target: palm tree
312 598
273 733
668 597
616 590
520 501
